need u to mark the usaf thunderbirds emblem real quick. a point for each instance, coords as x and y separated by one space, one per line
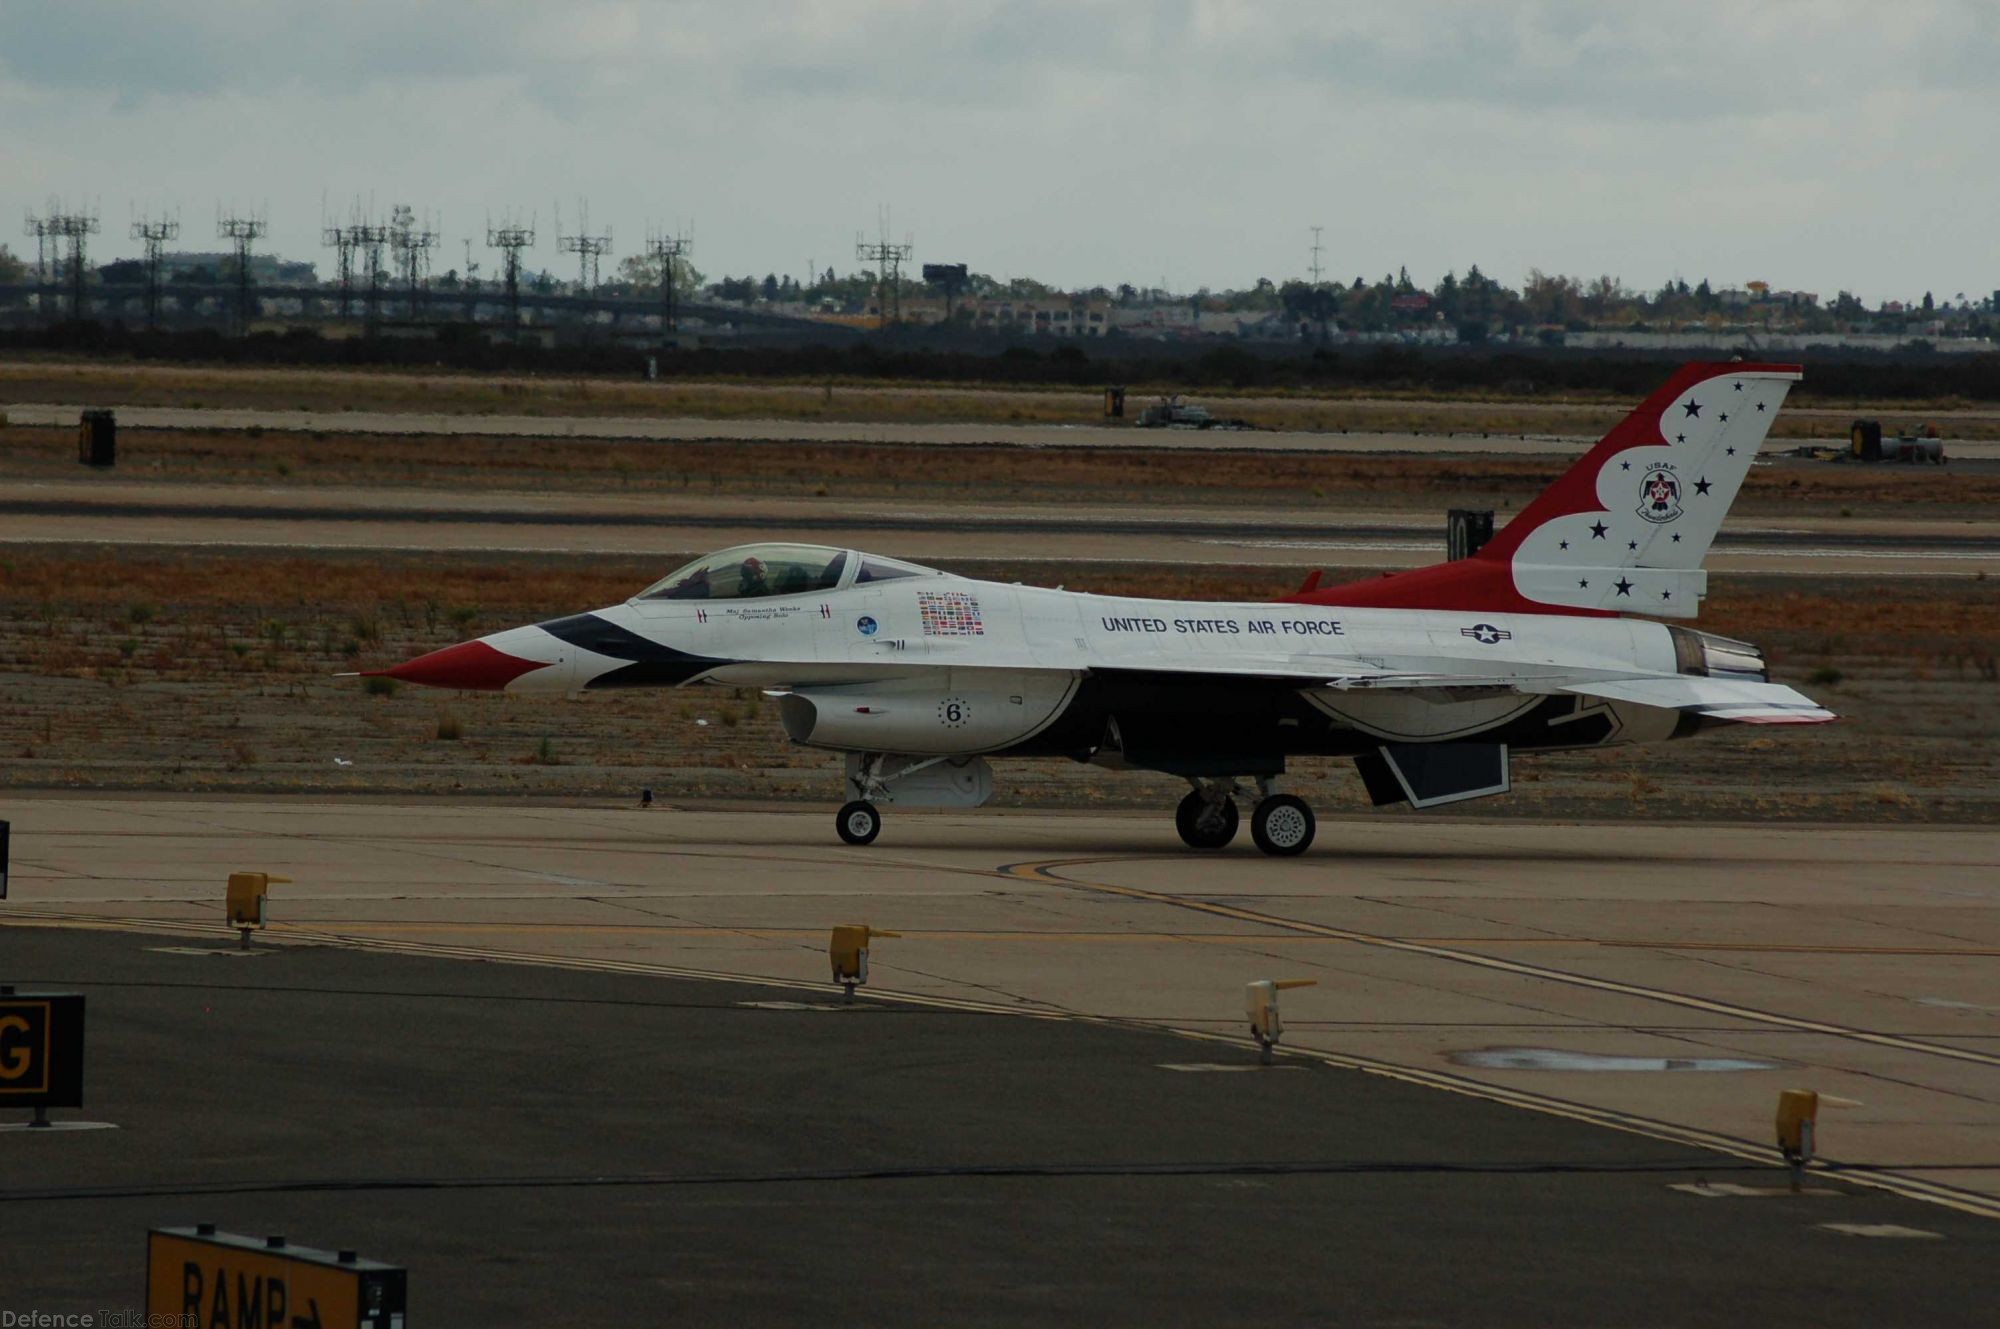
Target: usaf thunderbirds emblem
1660 495
865 626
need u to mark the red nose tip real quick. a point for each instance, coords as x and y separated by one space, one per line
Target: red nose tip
471 665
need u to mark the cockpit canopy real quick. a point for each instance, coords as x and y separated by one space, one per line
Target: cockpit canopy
750 571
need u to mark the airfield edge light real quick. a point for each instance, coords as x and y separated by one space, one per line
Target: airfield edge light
1260 1001
847 950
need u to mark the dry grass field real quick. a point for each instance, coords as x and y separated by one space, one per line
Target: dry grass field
157 669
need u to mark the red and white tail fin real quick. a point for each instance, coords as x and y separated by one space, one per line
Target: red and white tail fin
1626 528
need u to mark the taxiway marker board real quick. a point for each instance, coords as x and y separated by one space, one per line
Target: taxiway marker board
41 1049
221 1278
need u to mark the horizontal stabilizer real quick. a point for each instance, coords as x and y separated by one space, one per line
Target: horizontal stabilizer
1740 699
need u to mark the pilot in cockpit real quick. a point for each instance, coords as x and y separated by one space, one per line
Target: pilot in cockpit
750 578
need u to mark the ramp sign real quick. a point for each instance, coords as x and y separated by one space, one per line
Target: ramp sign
219 1280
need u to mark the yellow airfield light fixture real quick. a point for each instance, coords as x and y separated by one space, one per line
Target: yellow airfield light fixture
848 950
1260 1002
245 900
1798 1122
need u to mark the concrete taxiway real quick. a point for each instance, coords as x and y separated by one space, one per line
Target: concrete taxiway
1455 954
543 1145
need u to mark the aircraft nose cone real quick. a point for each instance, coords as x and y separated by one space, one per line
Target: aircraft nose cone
470 665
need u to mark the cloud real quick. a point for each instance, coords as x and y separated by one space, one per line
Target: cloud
1078 141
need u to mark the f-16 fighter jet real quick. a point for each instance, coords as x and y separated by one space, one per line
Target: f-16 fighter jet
1432 680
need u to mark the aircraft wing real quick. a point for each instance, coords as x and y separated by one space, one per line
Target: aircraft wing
1748 701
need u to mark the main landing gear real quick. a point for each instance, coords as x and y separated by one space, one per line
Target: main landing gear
1280 824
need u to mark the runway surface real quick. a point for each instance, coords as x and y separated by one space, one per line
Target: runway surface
1859 961
571 1146
126 512
688 429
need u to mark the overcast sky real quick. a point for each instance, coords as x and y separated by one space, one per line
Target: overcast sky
1815 145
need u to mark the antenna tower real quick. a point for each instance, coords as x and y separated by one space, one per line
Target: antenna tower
667 250
154 235
588 248
44 231
1315 268
242 233
413 243
887 259
510 238
50 233
341 240
369 239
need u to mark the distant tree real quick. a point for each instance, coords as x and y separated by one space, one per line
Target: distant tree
1605 295
1930 305
12 269
1705 298
1448 297
639 271
1308 303
771 286
1552 298
122 272
1479 299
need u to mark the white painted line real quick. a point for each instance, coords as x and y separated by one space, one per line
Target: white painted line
1894 1230
1221 1067
235 952
1945 1003
1729 1190
797 1005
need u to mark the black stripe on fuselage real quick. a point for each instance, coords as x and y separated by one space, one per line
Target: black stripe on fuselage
652 664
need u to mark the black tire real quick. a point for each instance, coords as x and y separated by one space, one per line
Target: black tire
1202 829
1282 825
858 822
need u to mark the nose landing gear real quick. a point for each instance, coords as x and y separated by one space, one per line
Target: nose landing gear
858 822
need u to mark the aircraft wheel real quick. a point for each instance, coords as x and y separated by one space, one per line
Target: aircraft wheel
858 822
1282 824
1204 825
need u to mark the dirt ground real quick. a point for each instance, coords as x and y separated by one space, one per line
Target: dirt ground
160 669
